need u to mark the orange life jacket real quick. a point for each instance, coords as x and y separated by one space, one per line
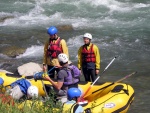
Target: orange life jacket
88 55
54 48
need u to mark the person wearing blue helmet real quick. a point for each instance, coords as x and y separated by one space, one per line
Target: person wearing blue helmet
52 30
53 47
73 94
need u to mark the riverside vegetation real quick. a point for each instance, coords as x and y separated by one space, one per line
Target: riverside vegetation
49 105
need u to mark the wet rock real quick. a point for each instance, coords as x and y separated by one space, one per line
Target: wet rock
2 19
29 69
13 51
65 27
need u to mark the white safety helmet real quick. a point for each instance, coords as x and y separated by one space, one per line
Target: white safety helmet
87 35
32 92
63 58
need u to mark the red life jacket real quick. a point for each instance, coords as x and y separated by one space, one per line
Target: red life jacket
54 48
88 55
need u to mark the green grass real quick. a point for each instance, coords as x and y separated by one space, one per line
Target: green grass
6 108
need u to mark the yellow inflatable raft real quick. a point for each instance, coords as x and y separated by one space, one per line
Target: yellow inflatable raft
109 98
106 97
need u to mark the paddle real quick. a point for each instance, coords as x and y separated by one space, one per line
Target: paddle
96 79
127 76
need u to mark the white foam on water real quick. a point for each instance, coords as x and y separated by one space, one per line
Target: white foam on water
37 10
117 42
75 41
36 15
141 5
84 22
33 51
4 56
112 4
23 3
137 40
32 17
57 17
4 14
119 6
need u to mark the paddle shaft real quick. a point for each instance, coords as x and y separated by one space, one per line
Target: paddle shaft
31 77
43 82
50 69
44 88
104 71
98 78
127 76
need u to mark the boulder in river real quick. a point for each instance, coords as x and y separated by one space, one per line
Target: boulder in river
29 69
65 27
13 51
2 19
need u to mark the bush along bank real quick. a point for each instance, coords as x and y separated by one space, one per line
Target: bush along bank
42 104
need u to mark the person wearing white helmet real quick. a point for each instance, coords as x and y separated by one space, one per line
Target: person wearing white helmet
32 92
67 77
89 58
53 47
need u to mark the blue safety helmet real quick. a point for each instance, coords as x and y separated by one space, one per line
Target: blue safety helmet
73 93
1 81
52 30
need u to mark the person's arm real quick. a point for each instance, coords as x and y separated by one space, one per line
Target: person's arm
64 47
45 53
80 58
97 55
57 85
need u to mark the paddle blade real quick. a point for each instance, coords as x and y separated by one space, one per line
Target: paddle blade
81 98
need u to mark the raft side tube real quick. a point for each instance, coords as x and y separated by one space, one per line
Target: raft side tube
114 101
